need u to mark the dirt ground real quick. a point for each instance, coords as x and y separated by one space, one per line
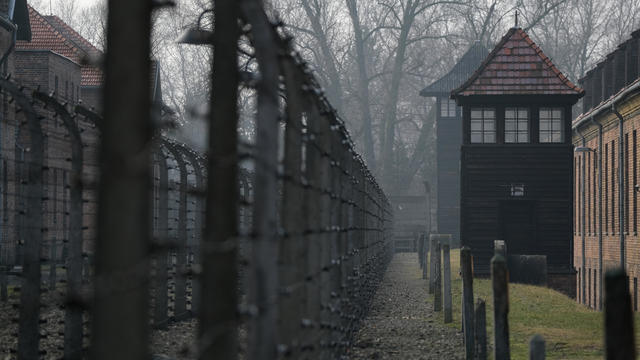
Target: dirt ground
401 323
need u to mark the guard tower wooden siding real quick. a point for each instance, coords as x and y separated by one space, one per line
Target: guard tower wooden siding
517 158
449 139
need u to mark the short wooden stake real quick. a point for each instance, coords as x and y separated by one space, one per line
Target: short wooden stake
481 330
500 281
446 261
437 278
467 301
618 317
536 348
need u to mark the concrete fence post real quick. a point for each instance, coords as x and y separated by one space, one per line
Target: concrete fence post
500 248
500 283
437 277
537 348
432 262
618 317
446 268
420 250
423 255
467 301
480 330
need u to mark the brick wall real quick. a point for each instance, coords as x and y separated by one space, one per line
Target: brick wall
587 227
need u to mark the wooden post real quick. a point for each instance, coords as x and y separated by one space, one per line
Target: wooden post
121 306
448 316
500 282
437 275
618 317
467 301
537 348
480 330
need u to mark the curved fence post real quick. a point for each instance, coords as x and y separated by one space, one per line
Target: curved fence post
180 300
161 280
73 312
28 324
198 165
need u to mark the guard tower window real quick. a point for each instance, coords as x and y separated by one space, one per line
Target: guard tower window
483 125
551 124
516 125
447 107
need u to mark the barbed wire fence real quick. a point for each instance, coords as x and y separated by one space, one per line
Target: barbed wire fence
111 230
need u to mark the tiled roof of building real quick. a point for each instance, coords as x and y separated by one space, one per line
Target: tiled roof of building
460 72
517 66
51 33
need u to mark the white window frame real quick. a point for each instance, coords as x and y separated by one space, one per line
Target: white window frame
484 126
516 126
551 125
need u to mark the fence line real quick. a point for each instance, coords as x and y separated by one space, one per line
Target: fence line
618 319
277 246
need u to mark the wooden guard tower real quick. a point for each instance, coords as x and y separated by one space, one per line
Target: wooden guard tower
449 139
517 158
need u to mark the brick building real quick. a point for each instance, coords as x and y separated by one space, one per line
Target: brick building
606 166
51 58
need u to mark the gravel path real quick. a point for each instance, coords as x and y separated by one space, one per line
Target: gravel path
402 324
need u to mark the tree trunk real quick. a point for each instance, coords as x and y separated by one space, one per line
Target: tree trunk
363 85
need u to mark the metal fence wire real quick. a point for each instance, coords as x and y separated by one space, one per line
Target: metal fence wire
113 233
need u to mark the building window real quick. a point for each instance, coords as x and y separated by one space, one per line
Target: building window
606 188
635 179
587 192
56 88
516 125
447 107
613 187
626 183
594 192
551 125
483 125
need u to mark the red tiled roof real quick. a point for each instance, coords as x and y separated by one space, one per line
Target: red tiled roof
51 33
517 66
